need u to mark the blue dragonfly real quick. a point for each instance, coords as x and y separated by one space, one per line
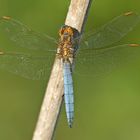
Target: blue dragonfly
92 52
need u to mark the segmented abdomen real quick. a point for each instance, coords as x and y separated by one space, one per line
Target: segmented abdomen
68 92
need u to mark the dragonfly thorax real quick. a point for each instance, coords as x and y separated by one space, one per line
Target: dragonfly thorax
65 51
66 43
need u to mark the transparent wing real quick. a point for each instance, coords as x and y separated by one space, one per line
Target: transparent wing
28 66
111 32
24 36
98 62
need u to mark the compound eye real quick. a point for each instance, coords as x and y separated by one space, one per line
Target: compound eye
62 29
70 31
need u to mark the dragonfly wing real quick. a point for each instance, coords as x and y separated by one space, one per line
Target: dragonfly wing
28 66
96 63
111 32
24 36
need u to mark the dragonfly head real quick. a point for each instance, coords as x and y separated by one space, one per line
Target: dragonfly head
67 33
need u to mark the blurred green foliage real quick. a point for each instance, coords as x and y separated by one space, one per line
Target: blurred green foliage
105 109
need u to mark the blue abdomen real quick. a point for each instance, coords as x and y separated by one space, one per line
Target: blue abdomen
68 92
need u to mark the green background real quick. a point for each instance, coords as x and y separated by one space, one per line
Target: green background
105 109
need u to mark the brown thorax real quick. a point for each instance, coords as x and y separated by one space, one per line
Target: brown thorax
65 50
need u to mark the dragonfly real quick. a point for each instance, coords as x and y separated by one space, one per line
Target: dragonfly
76 51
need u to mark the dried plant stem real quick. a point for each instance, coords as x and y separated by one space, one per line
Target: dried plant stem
54 93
